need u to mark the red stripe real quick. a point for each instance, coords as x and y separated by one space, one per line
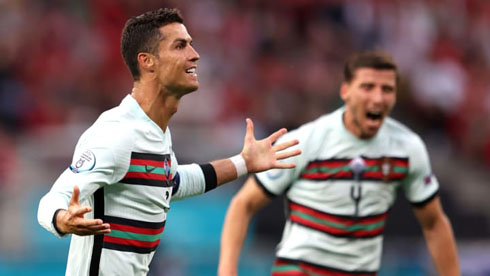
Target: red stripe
400 163
375 175
131 242
328 272
366 233
371 162
322 175
345 221
317 270
138 230
289 273
282 262
333 230
379 175
153 176
396 162
397 175
143 162
327 164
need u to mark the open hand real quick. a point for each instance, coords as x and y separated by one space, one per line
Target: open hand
72 221
261 155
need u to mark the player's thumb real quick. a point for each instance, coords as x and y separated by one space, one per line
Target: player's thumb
75 195
250 129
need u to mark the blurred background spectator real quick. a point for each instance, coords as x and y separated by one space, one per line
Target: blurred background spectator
278 62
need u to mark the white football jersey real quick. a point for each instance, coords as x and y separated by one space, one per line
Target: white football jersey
340 193
127 172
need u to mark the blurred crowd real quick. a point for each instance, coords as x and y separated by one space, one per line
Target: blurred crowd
277 61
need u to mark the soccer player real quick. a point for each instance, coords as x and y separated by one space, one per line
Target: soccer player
116 193
344 183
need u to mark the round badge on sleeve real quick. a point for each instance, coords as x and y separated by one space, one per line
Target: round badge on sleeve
274 173
85 162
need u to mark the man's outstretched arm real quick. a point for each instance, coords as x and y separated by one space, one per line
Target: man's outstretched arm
242 208
439 237
258 155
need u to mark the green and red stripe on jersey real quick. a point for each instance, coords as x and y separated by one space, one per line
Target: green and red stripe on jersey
288 267
133 235
341 226
376 169
149 170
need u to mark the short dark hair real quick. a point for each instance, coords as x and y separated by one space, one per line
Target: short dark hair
141 34
368 59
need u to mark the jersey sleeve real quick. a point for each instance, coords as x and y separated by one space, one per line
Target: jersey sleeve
192 180
98 160
274 182
420 185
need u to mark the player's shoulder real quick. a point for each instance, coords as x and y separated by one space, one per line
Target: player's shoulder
402 133
323 123
112 129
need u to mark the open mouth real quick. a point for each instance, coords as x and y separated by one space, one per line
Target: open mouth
374 115
191 70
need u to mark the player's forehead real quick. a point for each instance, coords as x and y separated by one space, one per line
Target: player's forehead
173 32
372 75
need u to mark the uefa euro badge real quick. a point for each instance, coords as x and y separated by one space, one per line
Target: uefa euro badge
386 167
85 162
274 173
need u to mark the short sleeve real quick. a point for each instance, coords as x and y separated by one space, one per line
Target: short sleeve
420 185
100 158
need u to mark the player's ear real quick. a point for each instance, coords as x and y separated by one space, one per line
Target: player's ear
146 62
344 91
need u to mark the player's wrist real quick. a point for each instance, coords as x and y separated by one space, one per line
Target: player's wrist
57 221
240 165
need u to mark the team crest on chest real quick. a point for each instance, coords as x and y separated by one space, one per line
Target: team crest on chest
386 167
167 165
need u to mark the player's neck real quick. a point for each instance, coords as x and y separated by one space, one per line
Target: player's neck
158 104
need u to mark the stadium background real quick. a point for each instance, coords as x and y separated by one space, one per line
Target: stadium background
278 62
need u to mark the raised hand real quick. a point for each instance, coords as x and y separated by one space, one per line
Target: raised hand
72 221
262 155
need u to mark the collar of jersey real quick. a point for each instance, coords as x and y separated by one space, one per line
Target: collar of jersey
134 108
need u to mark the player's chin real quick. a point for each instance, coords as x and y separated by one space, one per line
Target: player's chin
369 132
189 88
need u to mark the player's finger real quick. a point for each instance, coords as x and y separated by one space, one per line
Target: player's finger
249 134
285 145
82 211
86 232
279 165
103 231
74 196
274 136
91 222
284 155
99 227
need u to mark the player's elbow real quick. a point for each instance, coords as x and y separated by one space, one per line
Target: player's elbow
243 205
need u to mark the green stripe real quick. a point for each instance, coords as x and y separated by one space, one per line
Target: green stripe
287 268
372 169
347 168
142 169
328 170
354 227
400 169
134 236
282 268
